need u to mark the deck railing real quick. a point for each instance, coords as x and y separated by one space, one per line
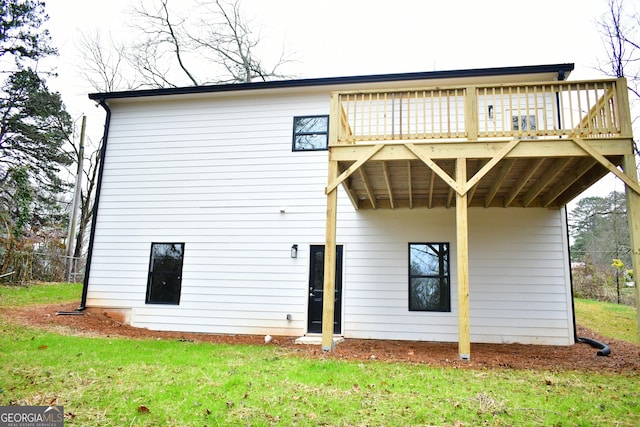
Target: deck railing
586 109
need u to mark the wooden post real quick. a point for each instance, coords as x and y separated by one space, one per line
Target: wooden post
633 198
462 240
328 294
471 113
329 286
624 111
633 215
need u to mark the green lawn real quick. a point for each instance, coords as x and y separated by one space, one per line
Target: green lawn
126 382
42 293
610 320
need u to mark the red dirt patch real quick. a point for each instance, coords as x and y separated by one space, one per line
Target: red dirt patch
624 356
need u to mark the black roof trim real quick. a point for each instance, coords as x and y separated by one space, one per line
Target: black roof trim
561 69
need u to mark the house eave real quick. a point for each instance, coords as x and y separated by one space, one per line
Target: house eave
546 72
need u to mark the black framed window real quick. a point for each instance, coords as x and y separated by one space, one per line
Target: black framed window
165 273
310 133
429 277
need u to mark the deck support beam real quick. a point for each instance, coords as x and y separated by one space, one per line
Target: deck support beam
631 188
633 215
328 294
499 149
462 244
329 285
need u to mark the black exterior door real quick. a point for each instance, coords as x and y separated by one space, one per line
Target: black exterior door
316 290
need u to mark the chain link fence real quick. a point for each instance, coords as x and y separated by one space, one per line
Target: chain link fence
600 284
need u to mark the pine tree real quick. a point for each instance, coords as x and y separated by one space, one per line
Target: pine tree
34 128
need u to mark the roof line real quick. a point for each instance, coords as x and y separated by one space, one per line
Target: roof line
562 69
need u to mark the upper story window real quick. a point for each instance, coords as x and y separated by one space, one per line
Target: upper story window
429 283
523 123
165 273
310 133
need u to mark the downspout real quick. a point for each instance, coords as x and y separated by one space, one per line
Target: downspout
573 306
94 219
603 349
561 76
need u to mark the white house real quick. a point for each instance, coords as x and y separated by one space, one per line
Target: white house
443 192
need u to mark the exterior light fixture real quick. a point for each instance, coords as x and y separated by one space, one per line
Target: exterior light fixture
294 251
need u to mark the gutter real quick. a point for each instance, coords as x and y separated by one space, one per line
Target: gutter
94 219
562 71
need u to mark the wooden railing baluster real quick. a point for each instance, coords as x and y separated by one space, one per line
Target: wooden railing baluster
537 110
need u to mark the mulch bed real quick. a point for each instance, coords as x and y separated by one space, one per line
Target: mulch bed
624 356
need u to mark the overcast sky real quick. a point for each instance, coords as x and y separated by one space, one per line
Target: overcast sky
353 37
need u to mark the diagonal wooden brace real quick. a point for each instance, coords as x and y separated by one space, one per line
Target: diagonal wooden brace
490 165
354 167
437 169
607 164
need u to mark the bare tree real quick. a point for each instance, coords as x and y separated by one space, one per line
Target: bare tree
102 66
212 43
620 30
228 38
164 44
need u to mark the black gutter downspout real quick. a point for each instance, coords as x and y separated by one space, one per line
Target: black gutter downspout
103 152
573 305
561 77
603 349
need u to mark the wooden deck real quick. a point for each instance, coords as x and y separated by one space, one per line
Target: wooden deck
501 145
525 145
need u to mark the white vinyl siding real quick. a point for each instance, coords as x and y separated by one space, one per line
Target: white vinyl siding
517 276
215 176
215 173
